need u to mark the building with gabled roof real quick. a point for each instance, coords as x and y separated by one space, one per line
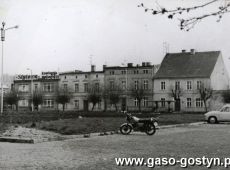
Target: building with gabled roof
184 73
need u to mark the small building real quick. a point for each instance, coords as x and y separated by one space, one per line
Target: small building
46 85
181 75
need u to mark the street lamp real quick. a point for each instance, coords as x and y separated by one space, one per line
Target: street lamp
3 30
31 77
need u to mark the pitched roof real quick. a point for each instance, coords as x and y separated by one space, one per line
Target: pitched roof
187 65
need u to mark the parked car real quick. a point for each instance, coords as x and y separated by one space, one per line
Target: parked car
223 115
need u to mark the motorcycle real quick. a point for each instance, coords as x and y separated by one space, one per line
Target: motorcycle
147 125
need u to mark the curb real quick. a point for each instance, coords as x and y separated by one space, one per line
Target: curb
180 125
16 140
89 135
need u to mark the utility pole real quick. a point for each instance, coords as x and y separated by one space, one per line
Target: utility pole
3 30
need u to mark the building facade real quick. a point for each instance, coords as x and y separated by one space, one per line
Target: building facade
130 79
178 82
172 86
80 83
46 85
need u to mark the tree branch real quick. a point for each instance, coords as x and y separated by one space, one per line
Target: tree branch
187 24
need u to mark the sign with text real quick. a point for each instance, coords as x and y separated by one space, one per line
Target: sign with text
49 75
26 77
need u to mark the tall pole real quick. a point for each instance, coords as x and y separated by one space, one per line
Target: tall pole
2 83
32 103
2 39
3 29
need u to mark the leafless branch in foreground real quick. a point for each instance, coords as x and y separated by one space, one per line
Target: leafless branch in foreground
189 23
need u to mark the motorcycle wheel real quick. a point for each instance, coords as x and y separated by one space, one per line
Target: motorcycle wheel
150 129
125 129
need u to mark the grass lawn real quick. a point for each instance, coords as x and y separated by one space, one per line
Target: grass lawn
102 124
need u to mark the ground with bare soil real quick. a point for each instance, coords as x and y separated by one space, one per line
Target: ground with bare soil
98 152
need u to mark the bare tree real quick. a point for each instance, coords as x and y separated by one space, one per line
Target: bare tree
189 22
176 93
205 94
63 96
95 95
12 99
105 96
138 93
114 94
37 99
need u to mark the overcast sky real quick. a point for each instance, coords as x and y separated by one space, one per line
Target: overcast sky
65 34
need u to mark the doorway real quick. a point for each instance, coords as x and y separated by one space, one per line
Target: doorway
86 105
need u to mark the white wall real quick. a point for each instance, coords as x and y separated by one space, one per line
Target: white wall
219 76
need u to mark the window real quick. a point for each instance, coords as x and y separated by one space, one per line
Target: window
189 102
136 84
48 87
225 109
177 85
65 77
189 85
49 103
86 87
162 102
198 85
135 102
162 85
76 77
111 72
136 71
23 103
145 102
111 85
199 102
123 71
97 87
76 88
23 88
146 84
96 75
76 104
123 84
35 87
145 71
65 86
86 76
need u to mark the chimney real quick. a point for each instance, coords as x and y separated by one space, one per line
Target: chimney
183 51
148 64
193 51
130 64
93 68
104 67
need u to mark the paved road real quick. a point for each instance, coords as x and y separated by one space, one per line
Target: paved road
99 152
